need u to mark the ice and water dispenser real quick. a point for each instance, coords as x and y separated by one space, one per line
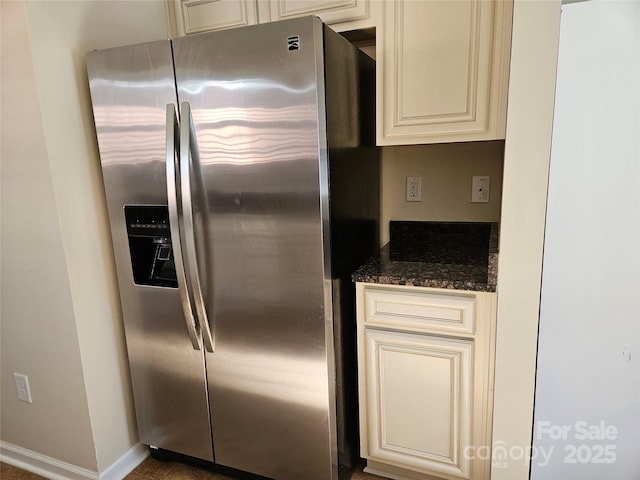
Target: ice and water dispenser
150 245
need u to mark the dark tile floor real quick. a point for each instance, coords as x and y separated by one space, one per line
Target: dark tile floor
152 469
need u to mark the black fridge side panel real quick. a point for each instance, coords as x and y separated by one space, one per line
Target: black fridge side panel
354 204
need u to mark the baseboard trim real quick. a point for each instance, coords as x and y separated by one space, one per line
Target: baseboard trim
43 465
126 463
54 469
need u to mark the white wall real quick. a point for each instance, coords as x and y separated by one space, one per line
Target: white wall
589 350
60 310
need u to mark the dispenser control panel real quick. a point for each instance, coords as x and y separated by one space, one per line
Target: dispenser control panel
150 248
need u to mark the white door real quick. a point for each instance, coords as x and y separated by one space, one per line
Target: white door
587 405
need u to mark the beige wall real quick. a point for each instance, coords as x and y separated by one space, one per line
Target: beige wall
61 76
60 313
39 334
446 171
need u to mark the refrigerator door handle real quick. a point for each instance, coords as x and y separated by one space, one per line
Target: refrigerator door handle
172 197
188 151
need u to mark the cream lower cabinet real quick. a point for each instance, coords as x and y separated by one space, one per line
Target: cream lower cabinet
425 375
442 71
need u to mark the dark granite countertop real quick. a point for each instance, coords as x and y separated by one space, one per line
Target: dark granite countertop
455 255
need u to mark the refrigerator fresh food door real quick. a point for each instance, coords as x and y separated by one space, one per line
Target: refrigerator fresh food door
254 95
130 90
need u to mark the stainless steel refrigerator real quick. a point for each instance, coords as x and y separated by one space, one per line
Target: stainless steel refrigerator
241 180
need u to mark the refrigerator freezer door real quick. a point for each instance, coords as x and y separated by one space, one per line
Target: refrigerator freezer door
254 99
130 88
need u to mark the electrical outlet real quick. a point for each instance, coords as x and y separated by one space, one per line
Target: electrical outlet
414 189
480 187
22 387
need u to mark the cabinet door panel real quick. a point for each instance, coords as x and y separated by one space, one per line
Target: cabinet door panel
437 52
330 11
419 401
193 16
443 71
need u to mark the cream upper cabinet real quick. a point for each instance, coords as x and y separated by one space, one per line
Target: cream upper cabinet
442 71
425 370
193 16
340 14
442 65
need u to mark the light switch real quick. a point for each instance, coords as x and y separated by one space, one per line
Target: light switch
480 187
